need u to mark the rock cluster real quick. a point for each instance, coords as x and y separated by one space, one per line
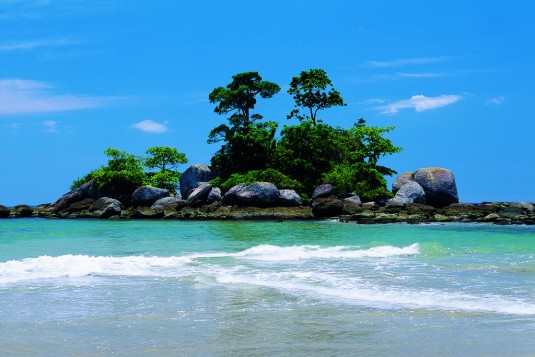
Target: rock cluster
426 195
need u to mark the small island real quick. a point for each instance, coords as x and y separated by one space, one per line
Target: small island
312 171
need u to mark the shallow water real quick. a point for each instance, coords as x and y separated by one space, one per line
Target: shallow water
265 288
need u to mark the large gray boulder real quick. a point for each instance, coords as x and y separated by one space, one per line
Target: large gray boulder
401 180
439 186
324 190
106 207
352 204
199 195
327 207
214 195
289 198
411 192
194 174
258 194
87 190
231 197
167 203
145 196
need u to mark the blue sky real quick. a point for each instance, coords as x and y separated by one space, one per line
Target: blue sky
454 77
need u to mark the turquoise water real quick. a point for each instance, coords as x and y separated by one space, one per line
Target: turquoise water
86 288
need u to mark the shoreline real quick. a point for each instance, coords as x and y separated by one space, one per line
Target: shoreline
500 213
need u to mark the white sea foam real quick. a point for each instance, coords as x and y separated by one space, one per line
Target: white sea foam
275 253
365 293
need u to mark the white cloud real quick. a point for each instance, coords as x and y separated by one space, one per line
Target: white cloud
497 100
405 62
420 75
20 96
419 103
51 126
149 126
33 44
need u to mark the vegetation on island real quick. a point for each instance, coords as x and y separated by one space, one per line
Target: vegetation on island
305 155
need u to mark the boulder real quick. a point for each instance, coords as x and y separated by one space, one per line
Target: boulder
324 190
194 174
4 212
258 194
145 196
439 186
231 197
528 207
199 195
409 193
289 198
87 190
214 195
106 207
167 203
352 204
21 211
401 180
327 207
511 212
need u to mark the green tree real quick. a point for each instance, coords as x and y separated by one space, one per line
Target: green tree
247 142
306 151
313 91
166 160
121 176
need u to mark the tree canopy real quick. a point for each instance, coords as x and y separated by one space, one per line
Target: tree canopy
310 92
248 143
167 160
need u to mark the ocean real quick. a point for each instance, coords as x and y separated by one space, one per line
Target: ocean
322 288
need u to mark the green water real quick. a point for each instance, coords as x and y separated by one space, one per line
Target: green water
265 288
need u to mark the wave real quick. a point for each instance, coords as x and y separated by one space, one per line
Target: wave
322 278
357 292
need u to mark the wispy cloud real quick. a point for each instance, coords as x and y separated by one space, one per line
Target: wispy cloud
497 100
420 75
50 126
405 62
20 96
35 44
149 126
419 103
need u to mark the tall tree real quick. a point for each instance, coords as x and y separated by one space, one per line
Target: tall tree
166 160
248 143
313 91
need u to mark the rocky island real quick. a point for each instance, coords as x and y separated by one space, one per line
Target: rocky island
424 196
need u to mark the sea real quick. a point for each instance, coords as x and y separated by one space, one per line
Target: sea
304 288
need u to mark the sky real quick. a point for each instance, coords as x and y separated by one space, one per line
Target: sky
455 78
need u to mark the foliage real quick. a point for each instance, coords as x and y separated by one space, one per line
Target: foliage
239 97
269 175
310 92
306 151
165 159
121 176
248 143
361 178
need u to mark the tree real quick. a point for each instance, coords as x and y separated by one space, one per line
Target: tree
165 159
248 143
239 97
306 151
310 92
121 176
